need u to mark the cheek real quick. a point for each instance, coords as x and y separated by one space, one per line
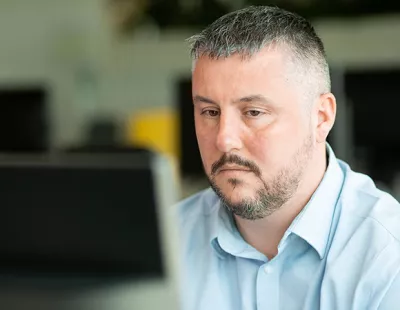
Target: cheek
274 146
263 150
204 136
206 142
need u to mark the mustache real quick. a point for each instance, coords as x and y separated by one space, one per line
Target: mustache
235 159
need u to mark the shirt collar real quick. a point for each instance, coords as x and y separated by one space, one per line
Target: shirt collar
225 237
313 224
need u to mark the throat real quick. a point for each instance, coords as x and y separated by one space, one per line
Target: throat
265 234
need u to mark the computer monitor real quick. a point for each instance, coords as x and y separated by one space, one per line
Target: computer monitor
24 123
88 231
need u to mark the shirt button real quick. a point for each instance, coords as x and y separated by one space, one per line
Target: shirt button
267 269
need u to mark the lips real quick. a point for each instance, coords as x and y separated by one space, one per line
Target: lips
233 168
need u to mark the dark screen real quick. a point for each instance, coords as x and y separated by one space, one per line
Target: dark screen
78 221
373 95
23 120
190 163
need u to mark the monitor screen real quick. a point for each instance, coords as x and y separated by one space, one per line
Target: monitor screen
79 219
88 232
24 123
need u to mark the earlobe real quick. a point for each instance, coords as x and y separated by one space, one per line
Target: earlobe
326 116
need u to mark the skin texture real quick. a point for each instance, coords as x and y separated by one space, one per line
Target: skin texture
262 139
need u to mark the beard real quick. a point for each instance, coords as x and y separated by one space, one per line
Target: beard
271 195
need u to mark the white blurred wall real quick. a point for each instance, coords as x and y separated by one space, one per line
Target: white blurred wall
70 46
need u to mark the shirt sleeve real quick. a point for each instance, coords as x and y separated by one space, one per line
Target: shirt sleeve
391 300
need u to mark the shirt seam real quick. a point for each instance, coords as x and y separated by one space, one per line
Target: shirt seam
381 225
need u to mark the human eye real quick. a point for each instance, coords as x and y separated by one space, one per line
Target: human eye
210 113
253 113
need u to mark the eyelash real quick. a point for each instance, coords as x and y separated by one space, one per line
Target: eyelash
259 113
247 113
207 112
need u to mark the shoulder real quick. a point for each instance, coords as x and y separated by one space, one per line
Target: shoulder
367 226
364 255
362 200
196 216
198 205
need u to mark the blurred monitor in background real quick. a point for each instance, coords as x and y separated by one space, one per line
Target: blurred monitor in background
373 99
87 231
23 120
191 165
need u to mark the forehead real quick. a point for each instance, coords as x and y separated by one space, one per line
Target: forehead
263 70
270 73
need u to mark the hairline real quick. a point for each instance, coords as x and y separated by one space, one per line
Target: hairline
299 66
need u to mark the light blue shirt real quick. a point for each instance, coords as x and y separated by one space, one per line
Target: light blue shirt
341 252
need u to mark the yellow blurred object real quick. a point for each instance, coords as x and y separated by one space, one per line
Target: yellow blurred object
157 129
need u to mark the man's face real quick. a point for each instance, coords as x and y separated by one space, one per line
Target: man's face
254 130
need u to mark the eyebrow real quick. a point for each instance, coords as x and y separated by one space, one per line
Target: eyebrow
199 98
251 98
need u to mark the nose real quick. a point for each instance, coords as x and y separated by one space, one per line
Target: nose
228 138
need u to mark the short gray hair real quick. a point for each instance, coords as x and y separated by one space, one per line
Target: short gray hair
247 31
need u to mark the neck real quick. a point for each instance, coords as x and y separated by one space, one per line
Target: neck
265 234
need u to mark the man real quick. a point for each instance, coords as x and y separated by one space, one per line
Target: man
285 224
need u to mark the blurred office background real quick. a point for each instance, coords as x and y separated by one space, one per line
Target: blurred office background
116 73
114 76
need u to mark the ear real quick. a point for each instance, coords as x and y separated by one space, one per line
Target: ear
326 109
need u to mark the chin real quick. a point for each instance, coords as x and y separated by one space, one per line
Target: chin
236 190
